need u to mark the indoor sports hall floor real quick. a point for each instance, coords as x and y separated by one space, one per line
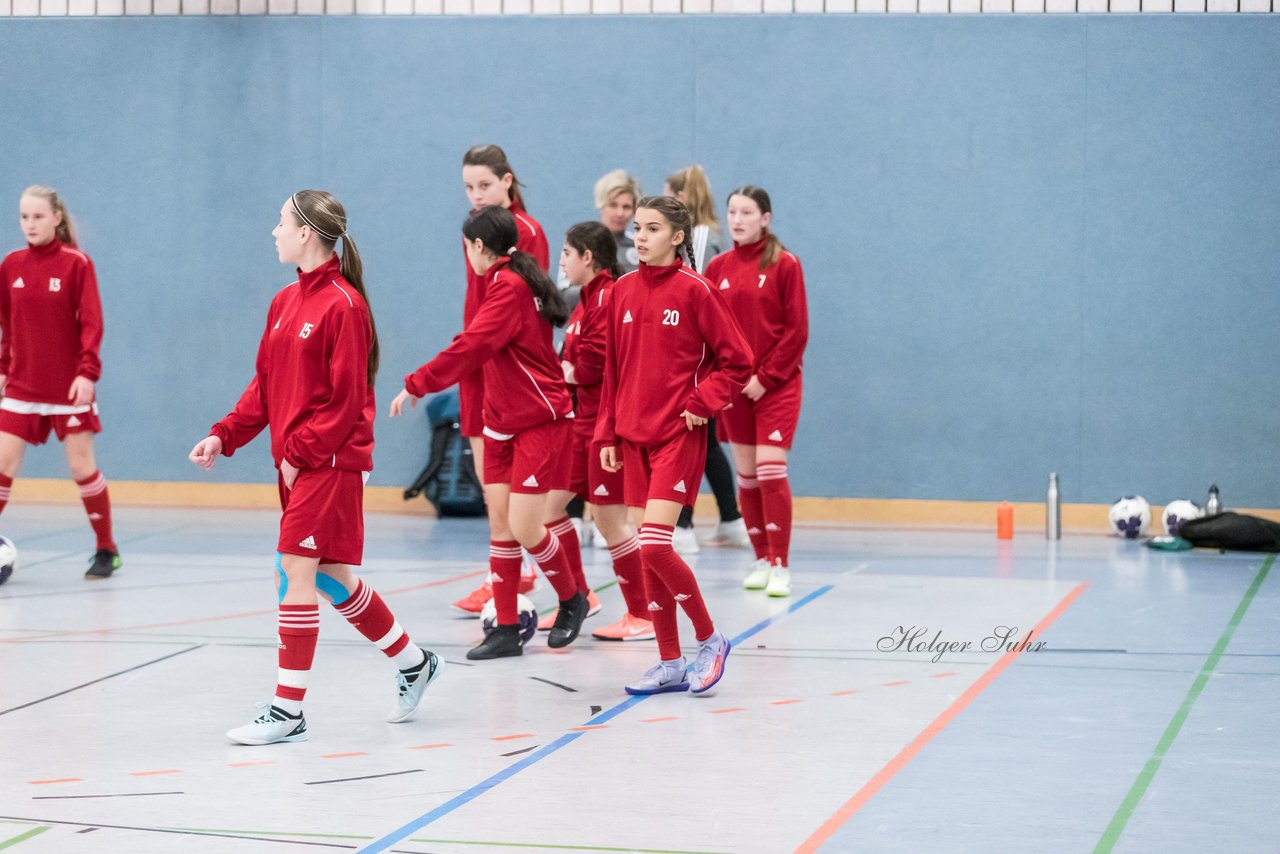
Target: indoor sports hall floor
1147 723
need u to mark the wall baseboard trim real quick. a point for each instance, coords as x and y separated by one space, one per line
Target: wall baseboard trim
889 512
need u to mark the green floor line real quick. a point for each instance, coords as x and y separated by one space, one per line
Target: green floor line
1130 804
491 844
23 837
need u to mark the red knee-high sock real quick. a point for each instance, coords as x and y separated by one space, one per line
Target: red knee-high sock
6 483
752 506
504 575
371 617
299 630
660 558
629 568
662 611
568 537
775 489
97 503
555 566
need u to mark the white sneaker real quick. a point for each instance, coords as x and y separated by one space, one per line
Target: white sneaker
409 694
758 579
663 677
271 726
779 582
685 542
578 528
708 667
731 534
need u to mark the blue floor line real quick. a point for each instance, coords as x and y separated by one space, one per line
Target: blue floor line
480 788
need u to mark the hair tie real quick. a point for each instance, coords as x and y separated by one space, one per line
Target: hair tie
512 250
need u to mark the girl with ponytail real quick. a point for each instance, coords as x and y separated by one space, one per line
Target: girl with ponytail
50 332
490 181
313 387
527 410
763 284
674 357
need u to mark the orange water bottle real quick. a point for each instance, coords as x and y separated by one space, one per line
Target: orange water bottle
1004 521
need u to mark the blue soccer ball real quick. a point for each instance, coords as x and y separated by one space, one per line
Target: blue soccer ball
528 617
8 558
1130 516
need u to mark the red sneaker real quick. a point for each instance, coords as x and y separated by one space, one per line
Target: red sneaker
473 603
629 628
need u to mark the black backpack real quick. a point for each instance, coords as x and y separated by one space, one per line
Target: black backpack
1234 531
449 480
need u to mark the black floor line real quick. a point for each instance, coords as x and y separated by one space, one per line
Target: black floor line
557 684
104 678
522 750
365 777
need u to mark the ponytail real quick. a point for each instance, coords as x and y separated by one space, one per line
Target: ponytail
353 271
495 228
325 216
66 231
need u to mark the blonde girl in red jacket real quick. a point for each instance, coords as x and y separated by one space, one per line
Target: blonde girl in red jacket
50 332
313 387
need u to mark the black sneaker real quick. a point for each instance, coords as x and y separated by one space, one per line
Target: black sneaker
568 621
502 642
105 562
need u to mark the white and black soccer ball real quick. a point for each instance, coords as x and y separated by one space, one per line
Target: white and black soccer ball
8 558
528 617
1179 511
1130 516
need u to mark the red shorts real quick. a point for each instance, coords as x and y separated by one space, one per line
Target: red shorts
589 480
34 428
532 462
670 472
324 516
771 420
471 405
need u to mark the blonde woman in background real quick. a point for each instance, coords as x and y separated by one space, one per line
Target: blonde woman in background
616 196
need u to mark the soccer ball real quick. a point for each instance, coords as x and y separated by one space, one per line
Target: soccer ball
1179 511
1130 516
528 617
8 558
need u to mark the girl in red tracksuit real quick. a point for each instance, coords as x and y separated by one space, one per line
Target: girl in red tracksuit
527 410
314 389
490 181
50 331
590 262
763 284
674 357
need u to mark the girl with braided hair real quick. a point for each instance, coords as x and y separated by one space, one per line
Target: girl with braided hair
674 357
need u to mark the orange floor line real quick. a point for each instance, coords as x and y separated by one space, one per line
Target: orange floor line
726 711
588 728
59 780
844 693
897 763
343 755
153 773
785 702
510 737
941 675
247 764
429 746
893 684
658 720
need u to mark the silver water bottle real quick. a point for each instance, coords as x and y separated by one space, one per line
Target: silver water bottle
1213 506
1053 510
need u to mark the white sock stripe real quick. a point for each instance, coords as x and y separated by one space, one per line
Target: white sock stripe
4 495
96 487
562 527
312 623
778 472
504 552
625 548
292 678
549 552
748 482
654 536
390 637
357 603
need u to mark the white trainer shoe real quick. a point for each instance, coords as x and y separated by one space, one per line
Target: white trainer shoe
663 677
409 694
708 667
779 581
758 578
271 726
685 542
731 534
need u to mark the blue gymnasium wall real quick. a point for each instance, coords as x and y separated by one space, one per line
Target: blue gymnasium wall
1031 243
